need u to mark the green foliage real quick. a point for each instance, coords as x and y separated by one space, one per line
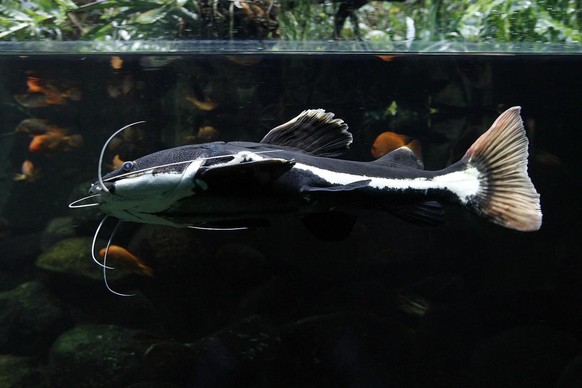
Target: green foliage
516 21
35 20
435 20
299 20
138 20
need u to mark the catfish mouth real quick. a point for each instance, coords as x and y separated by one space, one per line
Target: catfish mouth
97 189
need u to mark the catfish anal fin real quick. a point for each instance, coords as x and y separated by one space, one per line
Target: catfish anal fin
428 213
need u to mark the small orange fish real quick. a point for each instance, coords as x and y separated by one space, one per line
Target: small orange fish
123 259
54 93
28 173
202 105
33 126
116 62
386 58
33 84
389 141
207 133
117 162
32 100
55 141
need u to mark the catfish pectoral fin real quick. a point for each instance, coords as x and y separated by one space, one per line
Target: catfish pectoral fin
246 174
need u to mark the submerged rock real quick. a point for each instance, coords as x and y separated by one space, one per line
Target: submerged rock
71 258
30 319
58 229
347 349
171 362
17 372
94 356
169 251
246 353
240 265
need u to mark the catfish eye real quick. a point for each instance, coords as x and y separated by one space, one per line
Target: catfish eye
127 166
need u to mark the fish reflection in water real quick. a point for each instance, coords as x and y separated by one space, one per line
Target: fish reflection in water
292 172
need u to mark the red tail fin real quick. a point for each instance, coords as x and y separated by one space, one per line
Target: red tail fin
506 194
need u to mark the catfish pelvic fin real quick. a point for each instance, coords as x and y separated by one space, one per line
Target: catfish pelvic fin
314 132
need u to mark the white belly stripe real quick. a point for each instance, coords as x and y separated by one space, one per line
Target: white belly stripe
463 184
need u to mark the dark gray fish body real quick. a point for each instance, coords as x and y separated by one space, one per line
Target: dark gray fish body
273 186
292 172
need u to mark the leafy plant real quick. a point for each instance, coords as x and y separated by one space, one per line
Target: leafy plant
515 21
138 20
42 19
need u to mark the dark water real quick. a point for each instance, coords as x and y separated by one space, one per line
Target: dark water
464 304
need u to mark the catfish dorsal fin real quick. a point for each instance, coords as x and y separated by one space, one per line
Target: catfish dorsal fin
401 157
313 131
